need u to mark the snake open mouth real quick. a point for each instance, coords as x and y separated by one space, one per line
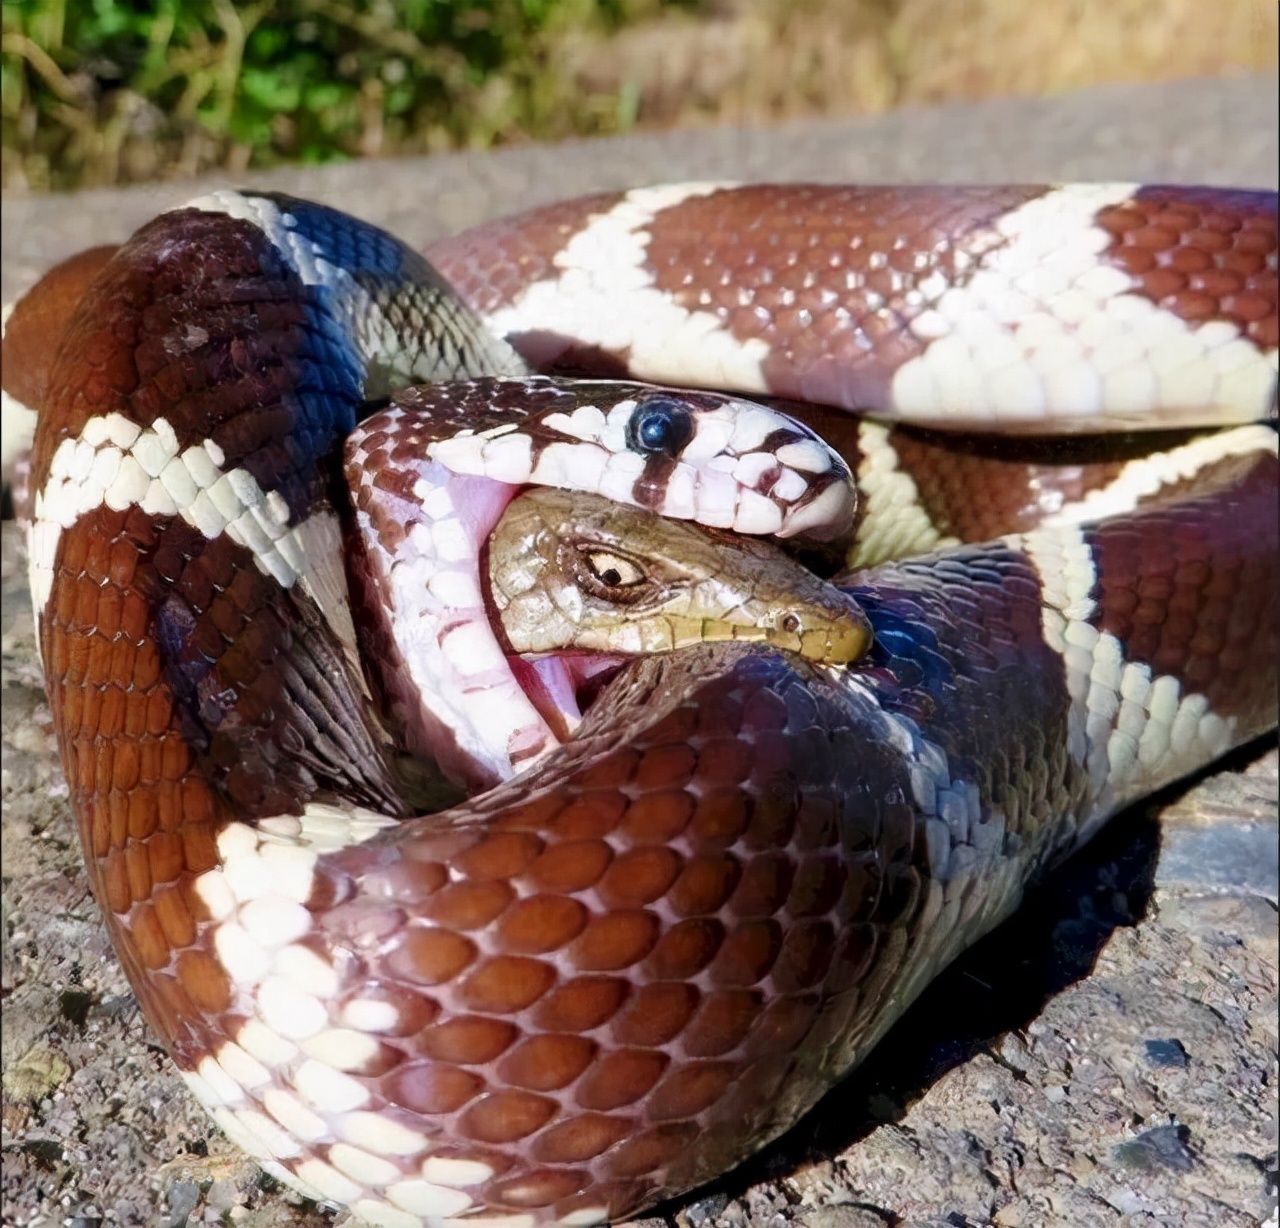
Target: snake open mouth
504 607
457 691
560 684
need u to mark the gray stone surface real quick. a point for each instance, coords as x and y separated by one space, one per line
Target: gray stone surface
1199 131
1108 1058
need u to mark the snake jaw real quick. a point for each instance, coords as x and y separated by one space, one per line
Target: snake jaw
430 474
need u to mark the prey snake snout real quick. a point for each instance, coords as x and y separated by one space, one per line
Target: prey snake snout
649 941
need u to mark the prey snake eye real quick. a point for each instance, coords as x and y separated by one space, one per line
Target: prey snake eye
613 570
659 424
606 574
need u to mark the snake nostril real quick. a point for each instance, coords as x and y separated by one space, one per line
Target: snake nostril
790 623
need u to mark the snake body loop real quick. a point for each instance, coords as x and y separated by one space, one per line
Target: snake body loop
608 978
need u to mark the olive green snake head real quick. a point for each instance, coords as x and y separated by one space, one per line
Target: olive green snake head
575 572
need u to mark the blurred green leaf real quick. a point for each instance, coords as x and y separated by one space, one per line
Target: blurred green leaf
271 91
311 80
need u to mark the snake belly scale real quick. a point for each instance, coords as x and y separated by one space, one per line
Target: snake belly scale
614 975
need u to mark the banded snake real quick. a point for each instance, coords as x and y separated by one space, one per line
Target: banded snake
686 924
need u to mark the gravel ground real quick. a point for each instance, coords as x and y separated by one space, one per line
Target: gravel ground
1108 1058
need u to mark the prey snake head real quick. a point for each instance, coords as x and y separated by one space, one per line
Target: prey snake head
579 572
579 585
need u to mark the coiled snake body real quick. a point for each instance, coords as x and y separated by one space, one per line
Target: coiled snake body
607 979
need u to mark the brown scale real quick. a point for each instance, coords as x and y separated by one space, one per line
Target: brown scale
833 295
1196 598
174 336
130 347
45 310
147 815
491 265
613 967
147 818
256 679
979 487
1199 260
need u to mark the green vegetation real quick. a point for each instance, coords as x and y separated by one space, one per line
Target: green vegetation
108 91
100 91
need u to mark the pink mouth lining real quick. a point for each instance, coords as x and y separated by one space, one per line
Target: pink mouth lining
482 713
563 685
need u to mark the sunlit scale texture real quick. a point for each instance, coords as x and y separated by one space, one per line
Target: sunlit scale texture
651 963
492 264
834 296
1194 607
1203 255
45 308
173 344
1194 600
147 817
816 280
1072 307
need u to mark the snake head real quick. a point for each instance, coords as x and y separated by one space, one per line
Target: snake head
432 473
574 572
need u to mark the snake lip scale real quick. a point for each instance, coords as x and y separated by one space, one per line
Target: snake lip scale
641 950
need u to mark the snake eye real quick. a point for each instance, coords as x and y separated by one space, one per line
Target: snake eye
605 574
659 424
613 570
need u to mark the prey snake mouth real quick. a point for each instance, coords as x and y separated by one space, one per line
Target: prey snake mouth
562 686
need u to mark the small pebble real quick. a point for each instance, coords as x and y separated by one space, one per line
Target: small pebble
1165 1053
1163 1146
182 1198
222 1195
705 1209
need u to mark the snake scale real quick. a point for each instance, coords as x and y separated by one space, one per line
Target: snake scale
657 934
